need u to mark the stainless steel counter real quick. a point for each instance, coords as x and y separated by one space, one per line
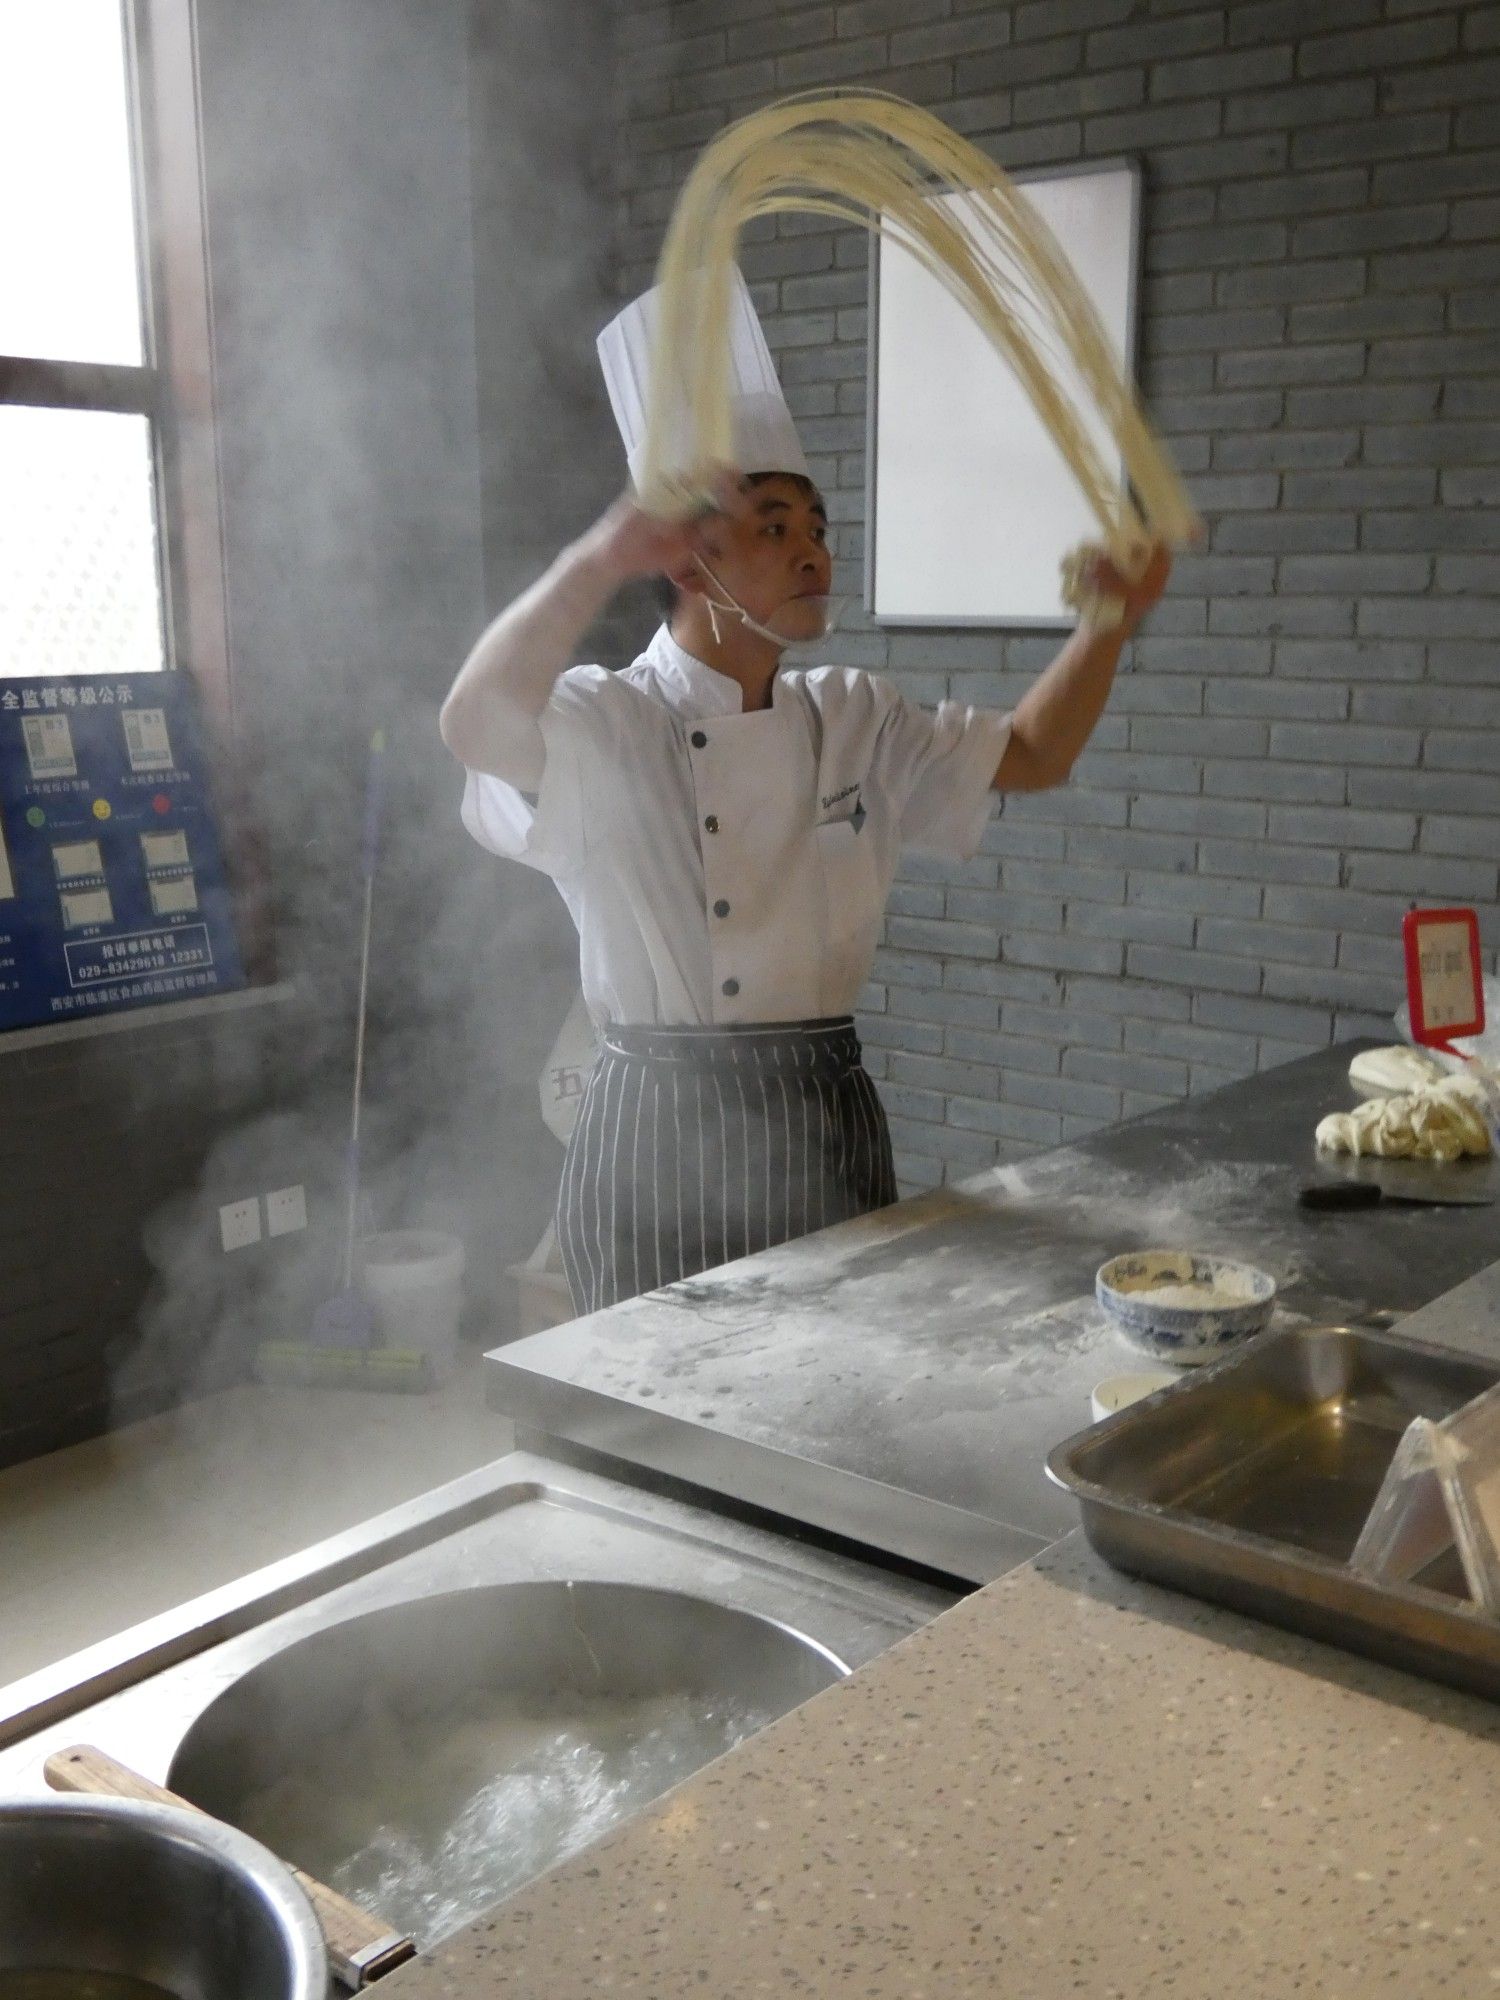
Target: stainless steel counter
516 1520
1469 1315
899 1380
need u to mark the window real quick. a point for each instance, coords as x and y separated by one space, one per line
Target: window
109 516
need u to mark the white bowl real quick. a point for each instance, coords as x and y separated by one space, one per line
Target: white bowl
1118 1392
1181 1306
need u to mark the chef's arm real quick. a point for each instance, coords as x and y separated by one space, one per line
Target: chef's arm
1056 716
491 718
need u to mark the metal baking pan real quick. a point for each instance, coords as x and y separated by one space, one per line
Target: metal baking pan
1249 1482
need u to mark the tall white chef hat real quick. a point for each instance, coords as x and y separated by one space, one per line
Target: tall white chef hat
765 438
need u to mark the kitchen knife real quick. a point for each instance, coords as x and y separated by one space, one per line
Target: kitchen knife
1361 1183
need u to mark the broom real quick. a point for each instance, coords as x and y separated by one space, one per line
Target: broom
342 1350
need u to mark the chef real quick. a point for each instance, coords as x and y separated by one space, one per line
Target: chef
724 832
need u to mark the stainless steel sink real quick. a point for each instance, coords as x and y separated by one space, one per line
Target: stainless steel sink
430 1758
527 1593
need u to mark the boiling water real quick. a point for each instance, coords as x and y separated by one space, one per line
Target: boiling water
52 1984
428 1823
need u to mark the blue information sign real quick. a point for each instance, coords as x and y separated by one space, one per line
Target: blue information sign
112 889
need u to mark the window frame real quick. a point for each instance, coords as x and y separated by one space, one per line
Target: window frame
162 54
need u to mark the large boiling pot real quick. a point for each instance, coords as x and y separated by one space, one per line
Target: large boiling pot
117 1890
373 1753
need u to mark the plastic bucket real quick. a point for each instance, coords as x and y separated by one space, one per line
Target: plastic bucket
414 1282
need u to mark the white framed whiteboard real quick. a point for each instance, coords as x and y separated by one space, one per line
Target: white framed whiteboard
969 505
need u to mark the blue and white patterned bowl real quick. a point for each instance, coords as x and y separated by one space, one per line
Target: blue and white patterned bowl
1149 1293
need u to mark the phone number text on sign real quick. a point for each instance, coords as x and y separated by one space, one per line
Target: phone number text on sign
99 961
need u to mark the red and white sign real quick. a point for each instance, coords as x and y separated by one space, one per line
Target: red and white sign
1444 976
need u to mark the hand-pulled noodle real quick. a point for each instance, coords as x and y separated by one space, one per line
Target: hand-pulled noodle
878 161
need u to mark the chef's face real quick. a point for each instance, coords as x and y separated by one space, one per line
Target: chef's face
770 551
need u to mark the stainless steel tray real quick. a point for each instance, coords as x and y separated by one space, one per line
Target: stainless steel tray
1249 1483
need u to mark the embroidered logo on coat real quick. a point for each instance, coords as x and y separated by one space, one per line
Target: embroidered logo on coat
856 818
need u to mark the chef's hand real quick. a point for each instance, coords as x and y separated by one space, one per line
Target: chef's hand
1135 595
628 542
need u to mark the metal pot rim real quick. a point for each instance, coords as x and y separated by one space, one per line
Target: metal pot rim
274 1882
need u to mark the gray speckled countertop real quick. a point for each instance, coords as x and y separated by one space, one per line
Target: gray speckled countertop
1071 1784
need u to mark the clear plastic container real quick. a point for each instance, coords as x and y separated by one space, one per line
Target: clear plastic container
1442 1490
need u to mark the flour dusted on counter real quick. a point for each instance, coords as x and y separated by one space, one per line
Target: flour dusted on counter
1442 1121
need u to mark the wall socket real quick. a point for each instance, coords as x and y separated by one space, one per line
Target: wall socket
239 1223
286 1210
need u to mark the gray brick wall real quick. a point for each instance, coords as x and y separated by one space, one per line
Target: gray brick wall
1308 736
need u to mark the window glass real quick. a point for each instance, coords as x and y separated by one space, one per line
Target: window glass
69 287
79 578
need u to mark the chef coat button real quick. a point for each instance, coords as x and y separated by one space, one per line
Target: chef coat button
712 822
721 908
730 988
699 740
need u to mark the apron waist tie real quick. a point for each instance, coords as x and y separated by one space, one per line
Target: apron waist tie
827 1047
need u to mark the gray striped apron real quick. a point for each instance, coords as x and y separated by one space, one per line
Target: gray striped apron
698 1145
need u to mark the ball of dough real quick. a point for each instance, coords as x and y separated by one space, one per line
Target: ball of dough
1443 1122
1383 1072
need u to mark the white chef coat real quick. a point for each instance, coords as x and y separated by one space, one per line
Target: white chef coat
725 867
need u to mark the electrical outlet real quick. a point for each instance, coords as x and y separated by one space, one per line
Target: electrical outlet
286 1210
239 1223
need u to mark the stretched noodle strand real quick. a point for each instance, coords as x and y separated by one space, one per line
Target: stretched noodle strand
874 160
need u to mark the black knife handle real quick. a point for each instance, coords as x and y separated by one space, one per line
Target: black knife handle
1340 1194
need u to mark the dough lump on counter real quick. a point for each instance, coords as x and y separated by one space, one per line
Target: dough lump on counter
1383 1072
1442 1121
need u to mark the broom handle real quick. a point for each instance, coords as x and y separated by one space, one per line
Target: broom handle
368 851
